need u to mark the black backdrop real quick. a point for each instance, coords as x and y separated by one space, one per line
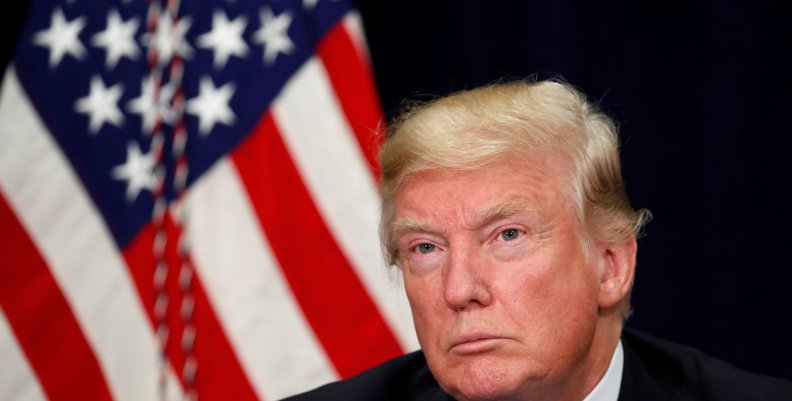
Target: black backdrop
704 99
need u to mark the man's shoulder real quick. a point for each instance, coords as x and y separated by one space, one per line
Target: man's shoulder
671 371
403 378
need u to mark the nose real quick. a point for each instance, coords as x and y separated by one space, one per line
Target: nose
466 283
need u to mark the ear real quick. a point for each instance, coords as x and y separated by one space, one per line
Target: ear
617 270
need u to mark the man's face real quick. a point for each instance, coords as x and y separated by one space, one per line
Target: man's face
504 300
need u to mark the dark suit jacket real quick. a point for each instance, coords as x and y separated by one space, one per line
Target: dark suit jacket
653 370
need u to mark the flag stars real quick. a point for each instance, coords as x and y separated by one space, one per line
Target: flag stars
211 105
137 171
101 105
273 35
62 38
309 4
225 38
153 105
117 39
146 104
169 39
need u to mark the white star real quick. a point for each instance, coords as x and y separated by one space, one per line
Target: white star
152 105
61 38
225 38
117 38
273 34
211 105
101 104
137 171
146 103
169 38
310 4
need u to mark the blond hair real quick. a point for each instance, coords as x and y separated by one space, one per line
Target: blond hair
469 129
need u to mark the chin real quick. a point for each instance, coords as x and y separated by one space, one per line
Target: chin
484 380
482 392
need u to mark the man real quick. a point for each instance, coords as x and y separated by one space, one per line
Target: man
505 209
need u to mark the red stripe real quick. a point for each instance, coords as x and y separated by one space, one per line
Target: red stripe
333 300
42 320
353 83
220 376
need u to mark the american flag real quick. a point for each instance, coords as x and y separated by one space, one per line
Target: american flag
188 204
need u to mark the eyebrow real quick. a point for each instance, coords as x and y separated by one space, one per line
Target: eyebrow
405 225
503 210
496 212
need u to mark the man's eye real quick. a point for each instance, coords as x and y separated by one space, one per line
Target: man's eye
510 234
425 248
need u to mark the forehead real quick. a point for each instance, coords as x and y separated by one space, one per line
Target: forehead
534 184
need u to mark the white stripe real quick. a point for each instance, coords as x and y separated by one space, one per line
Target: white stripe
52 205
17 380
333 167
275 346
353 24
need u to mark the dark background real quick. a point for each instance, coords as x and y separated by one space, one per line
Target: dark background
703 97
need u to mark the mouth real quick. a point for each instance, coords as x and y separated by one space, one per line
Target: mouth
475 343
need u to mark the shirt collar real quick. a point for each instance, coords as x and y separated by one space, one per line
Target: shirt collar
608 387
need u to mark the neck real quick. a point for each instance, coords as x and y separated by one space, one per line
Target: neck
595 363
606 338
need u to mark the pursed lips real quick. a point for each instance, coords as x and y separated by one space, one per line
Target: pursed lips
475 342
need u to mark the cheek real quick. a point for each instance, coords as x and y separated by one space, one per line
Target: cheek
421 265
422 303
574 304
550 292
431 316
